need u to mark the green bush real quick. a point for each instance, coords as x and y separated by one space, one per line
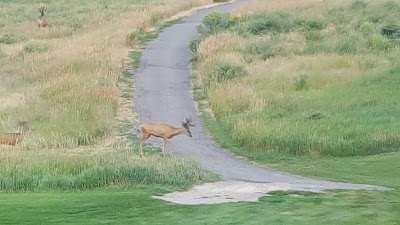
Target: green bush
379 42
358 5
348 44
227 71
262 49
262 23
216 22
36 48
301 82
367 27
194 44
391 30
312 22
11 39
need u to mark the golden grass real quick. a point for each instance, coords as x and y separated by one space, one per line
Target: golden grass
276 5
79 72
309 71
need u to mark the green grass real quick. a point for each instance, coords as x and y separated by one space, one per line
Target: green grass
83 113
134 206
118 168
319 100
311 87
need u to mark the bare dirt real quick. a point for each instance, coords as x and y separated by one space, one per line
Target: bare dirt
163 94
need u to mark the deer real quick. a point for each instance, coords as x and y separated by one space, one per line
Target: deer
15 138
42 21
164 131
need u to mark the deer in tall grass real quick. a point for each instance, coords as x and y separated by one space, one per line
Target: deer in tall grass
15 138
164 131
42 20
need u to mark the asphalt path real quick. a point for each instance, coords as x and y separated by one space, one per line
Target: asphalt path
163 94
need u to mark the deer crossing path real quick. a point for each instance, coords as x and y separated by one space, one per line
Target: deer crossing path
163 94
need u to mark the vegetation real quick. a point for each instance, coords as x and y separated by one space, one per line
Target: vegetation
136 207
318 99
71 82
316 85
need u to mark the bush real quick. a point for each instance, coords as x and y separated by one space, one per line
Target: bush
263 49
262 23
216 22
11 39
226 71
313 23
379 42
348 44
367 27
301 82
36 48
194 44
391 31
358 4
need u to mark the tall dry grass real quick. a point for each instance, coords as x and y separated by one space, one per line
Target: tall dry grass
64 79
313 84
70 81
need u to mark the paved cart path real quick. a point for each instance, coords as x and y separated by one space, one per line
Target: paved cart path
163 93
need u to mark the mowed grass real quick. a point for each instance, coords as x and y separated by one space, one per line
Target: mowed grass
306 82
135 206
71 82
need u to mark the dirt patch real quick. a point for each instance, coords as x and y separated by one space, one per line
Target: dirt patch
226 191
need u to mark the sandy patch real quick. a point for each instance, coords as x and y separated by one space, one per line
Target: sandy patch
226 191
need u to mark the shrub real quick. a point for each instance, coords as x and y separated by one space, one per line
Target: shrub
313 23
367 27
390 30
348 44
194 44
36 48
216 22
358 5
11 39
263 49
301 82
226 71
262 23
379 42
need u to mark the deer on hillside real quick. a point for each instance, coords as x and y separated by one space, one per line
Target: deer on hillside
163 130
15 138
42 20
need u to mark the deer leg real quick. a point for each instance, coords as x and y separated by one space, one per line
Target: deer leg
163 149
142 140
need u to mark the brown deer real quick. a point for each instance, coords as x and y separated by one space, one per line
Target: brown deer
15 138
163 130
42 21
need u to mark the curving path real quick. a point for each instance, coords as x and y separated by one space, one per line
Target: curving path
163 93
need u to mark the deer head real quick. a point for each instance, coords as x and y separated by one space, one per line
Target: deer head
42 21
186 124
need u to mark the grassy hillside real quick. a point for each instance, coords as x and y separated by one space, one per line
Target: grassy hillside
304 87
70 82
315 81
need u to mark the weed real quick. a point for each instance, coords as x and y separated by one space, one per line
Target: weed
216 22
226 71
36 48
11 39
262 23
